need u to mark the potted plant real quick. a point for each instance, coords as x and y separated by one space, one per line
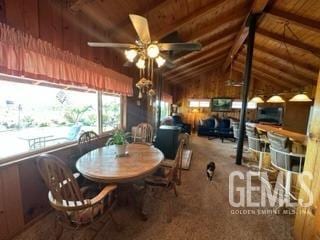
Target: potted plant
119 140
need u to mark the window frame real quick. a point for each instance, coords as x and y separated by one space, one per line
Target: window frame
33 153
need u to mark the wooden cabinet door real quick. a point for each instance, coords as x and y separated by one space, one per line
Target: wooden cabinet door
11 216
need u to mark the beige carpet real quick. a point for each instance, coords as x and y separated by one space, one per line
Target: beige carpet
201 211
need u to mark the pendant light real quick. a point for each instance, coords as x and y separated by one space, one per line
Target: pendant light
300 97
257 99
275 99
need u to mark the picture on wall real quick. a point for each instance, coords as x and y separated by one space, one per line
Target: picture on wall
221 104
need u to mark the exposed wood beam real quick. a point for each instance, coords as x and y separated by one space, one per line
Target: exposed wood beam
257 7
192 69
213 43
127 25
167 29
290 42
256 77
266 75
275 72
296 77
202 57
295 19
126 33
222 22
286 60
76 5
195 74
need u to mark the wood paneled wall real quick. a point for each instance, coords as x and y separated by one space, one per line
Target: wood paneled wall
207 85
307 224
52 21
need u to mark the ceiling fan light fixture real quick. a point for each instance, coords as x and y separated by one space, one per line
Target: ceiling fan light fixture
257 99
160 61
141 64
275 99
153 51
131 54
301 97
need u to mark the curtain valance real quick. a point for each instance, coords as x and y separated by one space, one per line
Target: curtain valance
23 55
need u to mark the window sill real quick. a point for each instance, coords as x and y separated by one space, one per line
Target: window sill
32 154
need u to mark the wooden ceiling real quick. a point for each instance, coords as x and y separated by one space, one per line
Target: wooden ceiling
287 43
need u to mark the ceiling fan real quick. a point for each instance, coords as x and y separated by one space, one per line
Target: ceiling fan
233 83
144 48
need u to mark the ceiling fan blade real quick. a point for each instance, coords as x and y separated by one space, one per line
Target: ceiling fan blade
111 45
168 63
180 46
141 26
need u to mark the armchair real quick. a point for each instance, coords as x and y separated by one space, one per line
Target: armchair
208 127
185 127
225 129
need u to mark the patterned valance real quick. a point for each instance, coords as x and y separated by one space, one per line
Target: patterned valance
23 55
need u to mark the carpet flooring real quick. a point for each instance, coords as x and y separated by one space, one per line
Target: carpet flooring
201 211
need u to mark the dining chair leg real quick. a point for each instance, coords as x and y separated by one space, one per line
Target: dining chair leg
169 210
175 189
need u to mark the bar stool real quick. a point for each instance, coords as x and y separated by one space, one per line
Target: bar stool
285 160
257 145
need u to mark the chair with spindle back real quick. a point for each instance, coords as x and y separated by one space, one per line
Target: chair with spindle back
143 133
75 207
167 179
86 141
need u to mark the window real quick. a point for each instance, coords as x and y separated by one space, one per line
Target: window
33 117
203 103
111 112
165 109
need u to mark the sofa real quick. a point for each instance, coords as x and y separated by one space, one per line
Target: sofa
214 127
208 127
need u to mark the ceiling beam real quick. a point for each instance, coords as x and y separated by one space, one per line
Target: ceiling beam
211 46
255 77
260 76
295 19
274 72
217 52
270 76
193 75
235 15
290 42
167 29
191 69
286 60
257 7
295 76
76 5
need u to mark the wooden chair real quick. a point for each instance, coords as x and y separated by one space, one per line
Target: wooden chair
143 133
85 141
166 180
75 207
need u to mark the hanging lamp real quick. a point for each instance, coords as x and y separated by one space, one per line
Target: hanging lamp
300 97
275 99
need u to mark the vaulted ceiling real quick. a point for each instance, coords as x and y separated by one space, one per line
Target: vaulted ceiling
287 43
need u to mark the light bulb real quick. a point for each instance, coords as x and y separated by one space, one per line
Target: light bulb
130 54
141 63
153 51
160 61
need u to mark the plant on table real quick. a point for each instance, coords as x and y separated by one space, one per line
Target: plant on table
119 139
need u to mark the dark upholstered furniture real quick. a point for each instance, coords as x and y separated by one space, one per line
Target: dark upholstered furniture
225 129
185 127
167 140
208 127
216 128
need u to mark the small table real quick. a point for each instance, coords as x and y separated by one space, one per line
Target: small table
102 164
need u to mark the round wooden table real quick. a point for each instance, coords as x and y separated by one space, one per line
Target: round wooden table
102 164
